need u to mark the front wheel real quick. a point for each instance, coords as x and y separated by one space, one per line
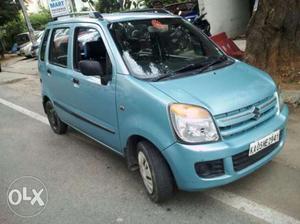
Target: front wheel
155 172
56 124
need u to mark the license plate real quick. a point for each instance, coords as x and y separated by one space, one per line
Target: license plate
261 144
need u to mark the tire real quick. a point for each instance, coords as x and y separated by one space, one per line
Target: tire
158 173
56 124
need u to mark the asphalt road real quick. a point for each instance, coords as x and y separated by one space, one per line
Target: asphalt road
88 184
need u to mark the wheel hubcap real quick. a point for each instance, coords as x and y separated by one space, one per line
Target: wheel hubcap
145 172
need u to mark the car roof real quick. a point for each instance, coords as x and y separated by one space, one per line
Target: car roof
114 17
120 17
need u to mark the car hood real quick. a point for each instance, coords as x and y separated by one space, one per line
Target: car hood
222 90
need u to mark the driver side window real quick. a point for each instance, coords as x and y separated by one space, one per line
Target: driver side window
88 45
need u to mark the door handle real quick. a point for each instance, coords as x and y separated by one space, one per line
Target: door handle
76 81
49 72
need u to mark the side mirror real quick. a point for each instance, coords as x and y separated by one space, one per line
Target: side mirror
93 68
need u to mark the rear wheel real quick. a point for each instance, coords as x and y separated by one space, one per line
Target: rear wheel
155 172
56 124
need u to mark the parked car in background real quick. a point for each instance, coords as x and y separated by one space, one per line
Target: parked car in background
22 40
25 51
35 47
24 43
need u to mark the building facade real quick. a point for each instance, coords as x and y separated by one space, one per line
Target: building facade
230 16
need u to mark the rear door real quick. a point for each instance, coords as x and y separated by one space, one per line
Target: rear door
94 102
59 73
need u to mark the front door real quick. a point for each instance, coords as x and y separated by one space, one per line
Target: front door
94 103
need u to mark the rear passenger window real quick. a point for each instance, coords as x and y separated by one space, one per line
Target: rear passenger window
88 45
43 46
58 51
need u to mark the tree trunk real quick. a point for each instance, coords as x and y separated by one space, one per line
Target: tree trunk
273 39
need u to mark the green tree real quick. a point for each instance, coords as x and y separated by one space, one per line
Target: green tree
39 20
10 22
165 2
107 6
11 29
8 11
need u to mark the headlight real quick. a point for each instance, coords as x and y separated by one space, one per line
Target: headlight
193 124
280 102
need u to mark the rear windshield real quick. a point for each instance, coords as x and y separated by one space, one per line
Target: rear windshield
156 46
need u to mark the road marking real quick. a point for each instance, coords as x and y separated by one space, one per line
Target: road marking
25 111
250 207
240 203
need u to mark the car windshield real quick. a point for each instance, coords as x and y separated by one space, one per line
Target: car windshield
22 38
162 47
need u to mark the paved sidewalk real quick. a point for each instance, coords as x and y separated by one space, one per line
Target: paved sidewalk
291 96
20 73
241 43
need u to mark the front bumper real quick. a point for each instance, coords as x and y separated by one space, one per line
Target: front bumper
182 158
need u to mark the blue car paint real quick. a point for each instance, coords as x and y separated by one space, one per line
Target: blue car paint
186 177
146 104
191 16
210 89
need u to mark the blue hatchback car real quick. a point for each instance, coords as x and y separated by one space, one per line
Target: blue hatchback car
154 89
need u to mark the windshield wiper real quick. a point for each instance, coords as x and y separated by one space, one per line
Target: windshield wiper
185 68
202 65
213 62
199 66
189 67
163 76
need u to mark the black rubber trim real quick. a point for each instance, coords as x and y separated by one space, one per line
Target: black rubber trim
83 118
214 168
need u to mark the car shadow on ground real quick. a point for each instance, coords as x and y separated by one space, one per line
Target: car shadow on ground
23 59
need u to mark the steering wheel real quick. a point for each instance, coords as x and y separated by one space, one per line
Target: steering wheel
180 38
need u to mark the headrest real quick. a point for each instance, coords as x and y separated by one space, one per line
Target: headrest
95 50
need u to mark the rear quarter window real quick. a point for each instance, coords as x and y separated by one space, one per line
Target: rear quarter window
58 51
44 45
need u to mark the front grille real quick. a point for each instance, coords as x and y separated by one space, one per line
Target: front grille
243 160
210 169
239 121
